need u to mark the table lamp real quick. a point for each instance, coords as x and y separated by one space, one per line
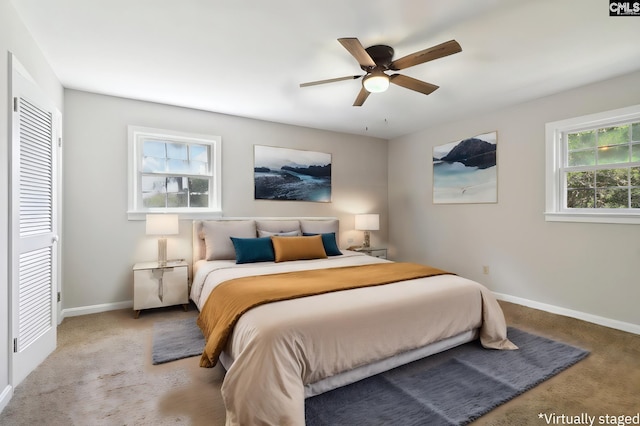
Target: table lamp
366 223
163 225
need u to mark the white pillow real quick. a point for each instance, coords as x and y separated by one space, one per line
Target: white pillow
319 226
218 233
277 226
262 233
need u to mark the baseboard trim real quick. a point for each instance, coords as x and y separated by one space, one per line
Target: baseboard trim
5 397
607 322
94 309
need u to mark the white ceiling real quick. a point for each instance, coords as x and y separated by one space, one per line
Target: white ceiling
247 57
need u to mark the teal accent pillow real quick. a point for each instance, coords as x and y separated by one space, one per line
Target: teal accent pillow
329 243
251 250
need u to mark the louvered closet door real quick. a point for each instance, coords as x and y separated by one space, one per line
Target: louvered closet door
34 228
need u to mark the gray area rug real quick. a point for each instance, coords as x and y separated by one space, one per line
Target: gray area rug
451 388
173 340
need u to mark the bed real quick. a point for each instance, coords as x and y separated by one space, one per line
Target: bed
277 354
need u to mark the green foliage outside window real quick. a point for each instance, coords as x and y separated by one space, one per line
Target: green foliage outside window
582 140
613 187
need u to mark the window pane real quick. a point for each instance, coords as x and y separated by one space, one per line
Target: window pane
177 199
153 164
612 177
582 140
198 200
154 156
580 180
198 168
635 198
612 198
613 135
198 192
154 190
582 158
199 159
153 148
635 132
154 199
581 198
175 184
177 192
177 151
199 153
178 166
154 183
635 176
612 155
635 152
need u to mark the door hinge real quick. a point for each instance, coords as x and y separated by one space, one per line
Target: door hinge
15 104
58 296
15 345
59 142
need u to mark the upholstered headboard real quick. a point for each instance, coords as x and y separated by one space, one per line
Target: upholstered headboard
218 231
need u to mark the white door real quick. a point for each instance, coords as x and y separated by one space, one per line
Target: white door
33 228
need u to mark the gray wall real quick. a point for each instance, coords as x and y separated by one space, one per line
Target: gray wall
15 38
101 245
583 267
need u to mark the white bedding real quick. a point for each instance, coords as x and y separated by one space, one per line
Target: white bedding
279 348
208 274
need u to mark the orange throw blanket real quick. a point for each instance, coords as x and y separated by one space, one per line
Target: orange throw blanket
229 300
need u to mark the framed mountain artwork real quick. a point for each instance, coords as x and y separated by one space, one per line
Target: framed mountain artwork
291 174
466 171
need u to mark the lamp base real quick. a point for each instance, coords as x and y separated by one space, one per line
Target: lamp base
162 251
367 240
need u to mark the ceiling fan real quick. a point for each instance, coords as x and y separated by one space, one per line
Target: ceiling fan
375 60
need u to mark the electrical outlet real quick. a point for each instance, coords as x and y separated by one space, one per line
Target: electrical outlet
485 269
349 240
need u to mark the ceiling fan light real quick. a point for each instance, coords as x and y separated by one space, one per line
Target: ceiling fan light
376 82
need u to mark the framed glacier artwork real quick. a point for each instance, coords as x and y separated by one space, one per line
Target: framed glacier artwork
291 174
466 171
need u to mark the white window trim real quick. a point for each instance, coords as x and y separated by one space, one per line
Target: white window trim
136 212
554 187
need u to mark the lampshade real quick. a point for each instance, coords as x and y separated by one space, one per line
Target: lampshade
367 222
376 82
162 224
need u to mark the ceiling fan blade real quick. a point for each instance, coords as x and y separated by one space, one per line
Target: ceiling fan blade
356 49
362 96
331 80
413 84
445 49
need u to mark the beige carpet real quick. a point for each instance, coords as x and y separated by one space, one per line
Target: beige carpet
101 374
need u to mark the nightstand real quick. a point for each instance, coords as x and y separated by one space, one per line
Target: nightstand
156 286
379 252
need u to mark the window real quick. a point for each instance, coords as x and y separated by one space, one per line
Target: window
593 168
173 172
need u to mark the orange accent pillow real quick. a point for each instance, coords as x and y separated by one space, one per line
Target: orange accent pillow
298 248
